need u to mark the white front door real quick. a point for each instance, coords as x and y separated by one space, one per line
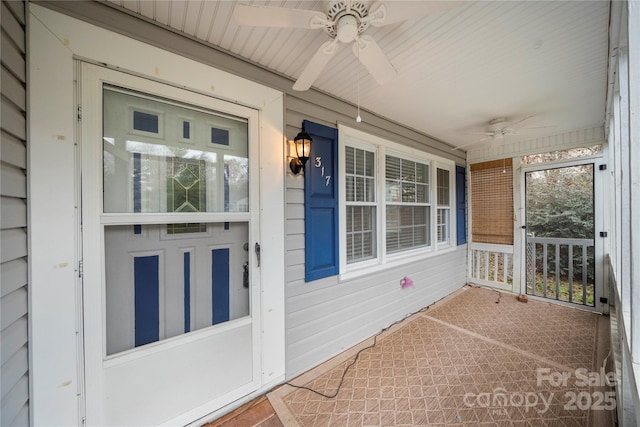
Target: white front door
171 280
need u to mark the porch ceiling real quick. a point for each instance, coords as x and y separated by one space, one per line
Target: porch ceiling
457 70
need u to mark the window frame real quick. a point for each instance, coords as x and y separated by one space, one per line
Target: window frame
368 204
350 137
451 230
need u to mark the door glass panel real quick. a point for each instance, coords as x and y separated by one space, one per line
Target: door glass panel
560 250
161 156
165 280
160 285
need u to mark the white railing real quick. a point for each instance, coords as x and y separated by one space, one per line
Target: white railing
569 259
491 265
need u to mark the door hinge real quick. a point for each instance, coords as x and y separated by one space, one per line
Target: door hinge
79 111
80 268
604 234
602 167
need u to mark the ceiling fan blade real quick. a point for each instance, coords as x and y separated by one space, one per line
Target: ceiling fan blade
390 12
316 65
520 123
267 16
459 147
373 59
497 141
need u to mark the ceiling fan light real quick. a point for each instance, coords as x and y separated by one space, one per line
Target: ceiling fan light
347 28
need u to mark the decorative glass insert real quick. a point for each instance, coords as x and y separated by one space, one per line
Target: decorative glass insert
185 192
361 198
146 173
219 136
186 129
185 185
145 122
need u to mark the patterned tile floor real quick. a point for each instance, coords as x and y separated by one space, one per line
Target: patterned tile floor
465 361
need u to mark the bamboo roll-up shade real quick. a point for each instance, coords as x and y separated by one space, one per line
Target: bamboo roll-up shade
492 202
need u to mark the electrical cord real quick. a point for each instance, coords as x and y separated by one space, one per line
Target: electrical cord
353 362
491 289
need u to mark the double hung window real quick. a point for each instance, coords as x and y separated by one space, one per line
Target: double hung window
444 205
407 204
395 201
360 189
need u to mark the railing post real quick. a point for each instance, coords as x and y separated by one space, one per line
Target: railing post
570 272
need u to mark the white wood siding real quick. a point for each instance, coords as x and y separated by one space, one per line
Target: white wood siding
14 373
323 317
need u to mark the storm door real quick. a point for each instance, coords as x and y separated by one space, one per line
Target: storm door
563 259
171 287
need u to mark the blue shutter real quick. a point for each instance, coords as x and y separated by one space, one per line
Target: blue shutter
461 205
321 203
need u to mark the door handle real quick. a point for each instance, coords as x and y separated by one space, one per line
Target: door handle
245 274
257 249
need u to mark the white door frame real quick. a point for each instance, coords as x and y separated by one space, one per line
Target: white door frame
598 206
56 41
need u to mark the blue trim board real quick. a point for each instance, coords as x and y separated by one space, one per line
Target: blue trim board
219 285
146 299
186 260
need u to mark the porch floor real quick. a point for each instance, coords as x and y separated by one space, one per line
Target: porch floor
477 357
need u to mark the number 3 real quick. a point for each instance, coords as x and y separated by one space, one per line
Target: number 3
318 162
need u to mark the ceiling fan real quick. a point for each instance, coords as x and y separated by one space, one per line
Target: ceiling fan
498 128
345 21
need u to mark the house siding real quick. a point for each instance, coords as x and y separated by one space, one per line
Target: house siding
326 316
14 338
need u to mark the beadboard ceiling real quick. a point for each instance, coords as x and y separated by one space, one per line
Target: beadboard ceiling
456 70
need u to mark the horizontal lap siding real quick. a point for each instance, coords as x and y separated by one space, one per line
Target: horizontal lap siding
14 373
325 317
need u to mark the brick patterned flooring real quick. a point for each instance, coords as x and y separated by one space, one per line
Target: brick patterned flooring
465 361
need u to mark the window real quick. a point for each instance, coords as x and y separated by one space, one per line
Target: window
394 200
360 192
407 208
444 205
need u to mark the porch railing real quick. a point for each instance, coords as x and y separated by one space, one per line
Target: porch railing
491 265
561 269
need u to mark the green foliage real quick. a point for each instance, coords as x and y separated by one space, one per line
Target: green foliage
560 202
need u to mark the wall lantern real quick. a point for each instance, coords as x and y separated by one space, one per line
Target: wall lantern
302 143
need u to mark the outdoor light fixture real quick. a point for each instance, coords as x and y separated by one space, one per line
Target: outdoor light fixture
302 142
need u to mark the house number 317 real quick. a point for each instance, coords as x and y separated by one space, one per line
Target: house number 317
318 164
